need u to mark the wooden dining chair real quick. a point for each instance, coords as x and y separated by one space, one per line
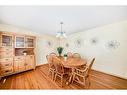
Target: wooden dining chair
81 75
53 54
69 55
76 55
51 66
60 70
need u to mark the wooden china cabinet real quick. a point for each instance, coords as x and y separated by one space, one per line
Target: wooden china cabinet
17 53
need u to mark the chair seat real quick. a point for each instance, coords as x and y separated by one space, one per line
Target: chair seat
82 67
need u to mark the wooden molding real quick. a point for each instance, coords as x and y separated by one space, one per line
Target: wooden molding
38 65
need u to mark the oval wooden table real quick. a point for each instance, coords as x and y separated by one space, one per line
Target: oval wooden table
73 63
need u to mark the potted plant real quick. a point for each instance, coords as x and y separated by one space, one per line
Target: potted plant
60 50
65 57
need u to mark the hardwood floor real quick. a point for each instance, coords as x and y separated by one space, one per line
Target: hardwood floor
38 79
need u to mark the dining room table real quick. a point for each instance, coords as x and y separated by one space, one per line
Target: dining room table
73 63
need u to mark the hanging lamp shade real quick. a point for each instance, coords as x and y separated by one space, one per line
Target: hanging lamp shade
61 34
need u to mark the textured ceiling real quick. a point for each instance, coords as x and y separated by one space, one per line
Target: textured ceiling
46 19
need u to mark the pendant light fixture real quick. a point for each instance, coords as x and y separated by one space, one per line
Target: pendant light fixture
61 34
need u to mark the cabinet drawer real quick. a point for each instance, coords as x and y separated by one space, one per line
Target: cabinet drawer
6 54
6 64
19 58
6 49
6 71
6 60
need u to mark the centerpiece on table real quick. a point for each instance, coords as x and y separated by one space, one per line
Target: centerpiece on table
60 50
65 57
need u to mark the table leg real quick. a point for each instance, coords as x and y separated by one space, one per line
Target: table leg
71 77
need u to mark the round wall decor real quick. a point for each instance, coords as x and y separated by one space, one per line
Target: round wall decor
49 44
113 44
79 43
94 41
67 45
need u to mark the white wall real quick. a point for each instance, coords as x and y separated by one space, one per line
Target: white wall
41 42
43 49
111 61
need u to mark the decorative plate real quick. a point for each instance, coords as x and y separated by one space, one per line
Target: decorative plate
49 44
67 45
78 43
113 44
94 41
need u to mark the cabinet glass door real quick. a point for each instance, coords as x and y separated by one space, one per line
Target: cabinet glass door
20 42
29 42
6 40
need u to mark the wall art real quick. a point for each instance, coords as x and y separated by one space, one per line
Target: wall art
67 45
94 41
49 44
113 44
79 42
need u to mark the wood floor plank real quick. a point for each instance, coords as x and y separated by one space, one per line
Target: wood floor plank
39 79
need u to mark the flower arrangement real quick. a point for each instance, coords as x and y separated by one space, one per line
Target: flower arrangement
60 50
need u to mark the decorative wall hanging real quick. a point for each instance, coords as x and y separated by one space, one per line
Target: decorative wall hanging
113 44
94 41
67 45
49 44
78 43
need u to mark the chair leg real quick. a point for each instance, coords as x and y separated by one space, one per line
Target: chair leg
85 83
48 72
73 78
55 77
89 82
52 75
62 81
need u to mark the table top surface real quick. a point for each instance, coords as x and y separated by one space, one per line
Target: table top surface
74 62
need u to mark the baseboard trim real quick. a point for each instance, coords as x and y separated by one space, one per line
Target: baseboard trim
121 77
38 65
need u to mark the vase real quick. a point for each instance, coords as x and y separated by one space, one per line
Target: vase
65 58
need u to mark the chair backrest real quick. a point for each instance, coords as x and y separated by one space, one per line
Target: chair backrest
90 65
53 54
58 65
49 59
69 55
76 55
